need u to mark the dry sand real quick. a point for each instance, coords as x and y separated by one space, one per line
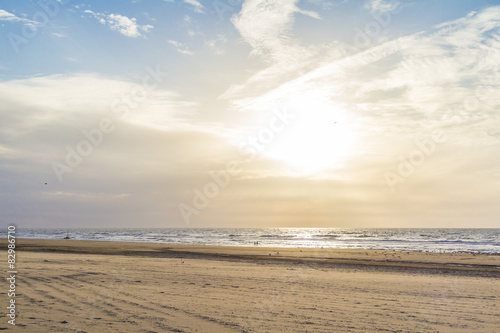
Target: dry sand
84 286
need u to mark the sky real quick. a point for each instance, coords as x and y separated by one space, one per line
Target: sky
250 113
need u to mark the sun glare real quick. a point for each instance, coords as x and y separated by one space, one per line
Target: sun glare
320 137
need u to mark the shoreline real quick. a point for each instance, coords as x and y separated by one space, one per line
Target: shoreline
466 263
260 246
436 240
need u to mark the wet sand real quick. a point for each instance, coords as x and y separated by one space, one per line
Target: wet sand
85 286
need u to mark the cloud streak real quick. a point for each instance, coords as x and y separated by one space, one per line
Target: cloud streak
180 47
382 5
266 26
124 25
198 7
9 17
427 72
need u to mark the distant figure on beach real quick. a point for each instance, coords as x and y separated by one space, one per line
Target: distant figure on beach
256 243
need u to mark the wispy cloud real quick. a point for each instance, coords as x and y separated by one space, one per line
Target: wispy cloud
442 68
84 96
382 5
59 35
198 7
426 77
124 25
9 17
266 26
217 44
92 196
71 59
180 47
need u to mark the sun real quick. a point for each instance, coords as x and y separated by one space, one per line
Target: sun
319 137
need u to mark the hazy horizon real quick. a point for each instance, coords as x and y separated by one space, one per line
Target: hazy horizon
139 228
250 113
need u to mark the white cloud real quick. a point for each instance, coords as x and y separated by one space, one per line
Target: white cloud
6 153
198 7
6 16
382 5
58 99
57 94
180 47
85 95
59 35
266 26
9 17
217 44
309 13
430 77
124 25
127 26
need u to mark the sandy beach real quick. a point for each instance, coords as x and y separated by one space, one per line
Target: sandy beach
86 286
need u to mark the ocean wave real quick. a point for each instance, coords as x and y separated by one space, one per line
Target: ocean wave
431 240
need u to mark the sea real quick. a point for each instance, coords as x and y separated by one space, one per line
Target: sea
425 240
